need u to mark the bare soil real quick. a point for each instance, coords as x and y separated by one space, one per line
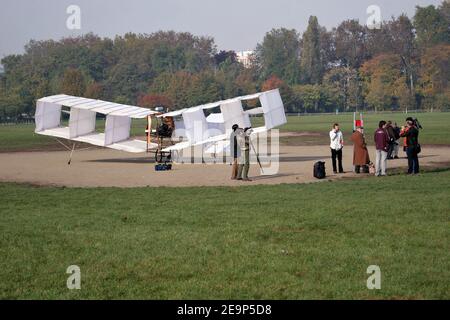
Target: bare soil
106 168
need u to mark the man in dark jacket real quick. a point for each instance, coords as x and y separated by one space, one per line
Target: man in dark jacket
381 139
397 141
392 138
411 135
235 152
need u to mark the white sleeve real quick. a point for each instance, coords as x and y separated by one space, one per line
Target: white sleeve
333 135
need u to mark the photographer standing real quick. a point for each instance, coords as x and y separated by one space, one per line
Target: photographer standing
243 139
412 147
336 145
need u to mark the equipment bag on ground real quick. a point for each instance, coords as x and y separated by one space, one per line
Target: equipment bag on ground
319 170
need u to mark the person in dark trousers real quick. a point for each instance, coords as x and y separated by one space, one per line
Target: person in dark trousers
382 140
397 141
243 139
336 145
391 133
411 135
235 151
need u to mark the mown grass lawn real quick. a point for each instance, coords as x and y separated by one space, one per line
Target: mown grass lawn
435 126
21 137
257 242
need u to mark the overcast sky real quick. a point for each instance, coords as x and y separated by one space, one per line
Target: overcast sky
235 24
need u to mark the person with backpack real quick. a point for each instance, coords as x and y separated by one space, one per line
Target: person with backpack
412 146
336 145
382 141
360 153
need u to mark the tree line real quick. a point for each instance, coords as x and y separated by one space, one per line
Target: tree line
404 64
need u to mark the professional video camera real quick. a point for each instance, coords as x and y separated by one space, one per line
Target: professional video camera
415 121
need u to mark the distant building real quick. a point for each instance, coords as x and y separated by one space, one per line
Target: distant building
244 57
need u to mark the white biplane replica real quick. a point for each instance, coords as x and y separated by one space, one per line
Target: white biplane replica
195 126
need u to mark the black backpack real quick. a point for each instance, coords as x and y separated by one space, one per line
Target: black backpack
319 170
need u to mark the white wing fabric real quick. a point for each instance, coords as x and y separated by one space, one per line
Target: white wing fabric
273 109
82 121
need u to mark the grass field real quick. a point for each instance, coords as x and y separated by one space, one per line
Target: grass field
298 241
22 137
436 126
436 130
274 242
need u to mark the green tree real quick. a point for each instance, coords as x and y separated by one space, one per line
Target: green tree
351 43
73 82
204 88
309 96
311 58
432 25
435 76
343 88
382 76
279 54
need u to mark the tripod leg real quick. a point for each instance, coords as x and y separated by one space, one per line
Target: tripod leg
71 153
257 156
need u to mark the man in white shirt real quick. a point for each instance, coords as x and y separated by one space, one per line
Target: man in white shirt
336 145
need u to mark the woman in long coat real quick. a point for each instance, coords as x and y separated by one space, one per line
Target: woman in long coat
360 152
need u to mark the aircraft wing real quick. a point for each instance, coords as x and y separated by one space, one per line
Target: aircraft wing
82 122
197 128
215 144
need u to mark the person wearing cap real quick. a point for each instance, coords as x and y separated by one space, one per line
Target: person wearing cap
360 154
405 129
412 147
243 139
235 151
336 145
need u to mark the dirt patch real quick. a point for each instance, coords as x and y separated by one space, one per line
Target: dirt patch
302 134
105 167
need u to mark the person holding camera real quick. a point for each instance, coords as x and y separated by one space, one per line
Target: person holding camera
382 142
412 147
243 138
336 145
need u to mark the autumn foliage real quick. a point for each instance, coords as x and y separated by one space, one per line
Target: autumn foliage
154 100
